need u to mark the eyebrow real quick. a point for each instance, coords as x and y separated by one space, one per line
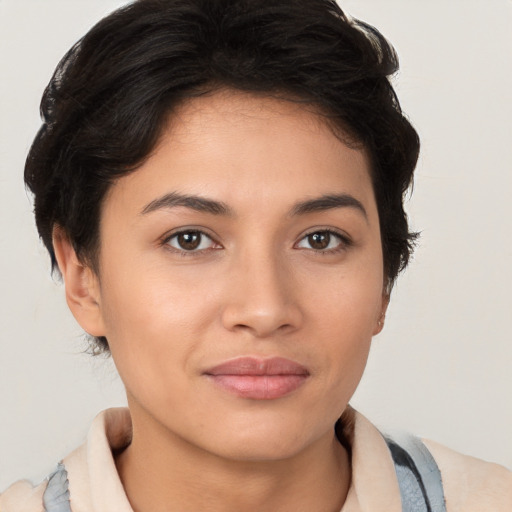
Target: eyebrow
328 202
200 204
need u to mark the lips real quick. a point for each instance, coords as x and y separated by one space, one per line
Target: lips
258 379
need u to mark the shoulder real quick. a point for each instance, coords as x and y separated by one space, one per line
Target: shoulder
470 484
86 475
22 496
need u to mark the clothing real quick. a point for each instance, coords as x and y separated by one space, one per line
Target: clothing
470 485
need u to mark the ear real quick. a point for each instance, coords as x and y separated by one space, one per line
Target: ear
82 285
382 316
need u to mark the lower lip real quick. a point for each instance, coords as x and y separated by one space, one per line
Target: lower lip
259 387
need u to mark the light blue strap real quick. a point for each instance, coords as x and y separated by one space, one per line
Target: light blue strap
56 495
419 478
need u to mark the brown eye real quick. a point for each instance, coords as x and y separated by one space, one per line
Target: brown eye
324 241
191 241
319 240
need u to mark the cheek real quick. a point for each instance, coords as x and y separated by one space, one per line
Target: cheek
348 300
153 321
348 340
346 315
145 294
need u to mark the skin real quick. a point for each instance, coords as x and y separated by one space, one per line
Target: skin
255 286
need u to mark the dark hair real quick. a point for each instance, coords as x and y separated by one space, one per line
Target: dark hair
106 104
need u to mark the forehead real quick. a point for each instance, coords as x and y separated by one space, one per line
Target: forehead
256 113
247 150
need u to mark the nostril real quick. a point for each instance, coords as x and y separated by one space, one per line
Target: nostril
261 299
261 323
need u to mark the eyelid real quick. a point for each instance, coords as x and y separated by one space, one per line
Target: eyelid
345 240
164 241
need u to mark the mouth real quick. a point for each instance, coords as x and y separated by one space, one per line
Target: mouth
258 379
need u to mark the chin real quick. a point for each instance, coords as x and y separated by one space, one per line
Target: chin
260 450
263 440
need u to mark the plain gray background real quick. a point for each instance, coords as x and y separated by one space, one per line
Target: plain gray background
442 366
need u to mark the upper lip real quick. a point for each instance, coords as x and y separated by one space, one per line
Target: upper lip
258 366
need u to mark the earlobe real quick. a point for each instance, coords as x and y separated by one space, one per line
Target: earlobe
81 284
382 317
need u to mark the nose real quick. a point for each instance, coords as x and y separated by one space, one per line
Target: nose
263 298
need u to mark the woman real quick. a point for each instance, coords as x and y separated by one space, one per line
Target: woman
221 186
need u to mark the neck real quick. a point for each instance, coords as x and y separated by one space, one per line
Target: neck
161 472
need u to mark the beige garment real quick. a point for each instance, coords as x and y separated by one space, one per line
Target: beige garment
471 485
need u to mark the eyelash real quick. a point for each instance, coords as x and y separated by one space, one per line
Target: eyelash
344 242
183 252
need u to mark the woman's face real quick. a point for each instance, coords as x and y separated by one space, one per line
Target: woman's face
241 277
